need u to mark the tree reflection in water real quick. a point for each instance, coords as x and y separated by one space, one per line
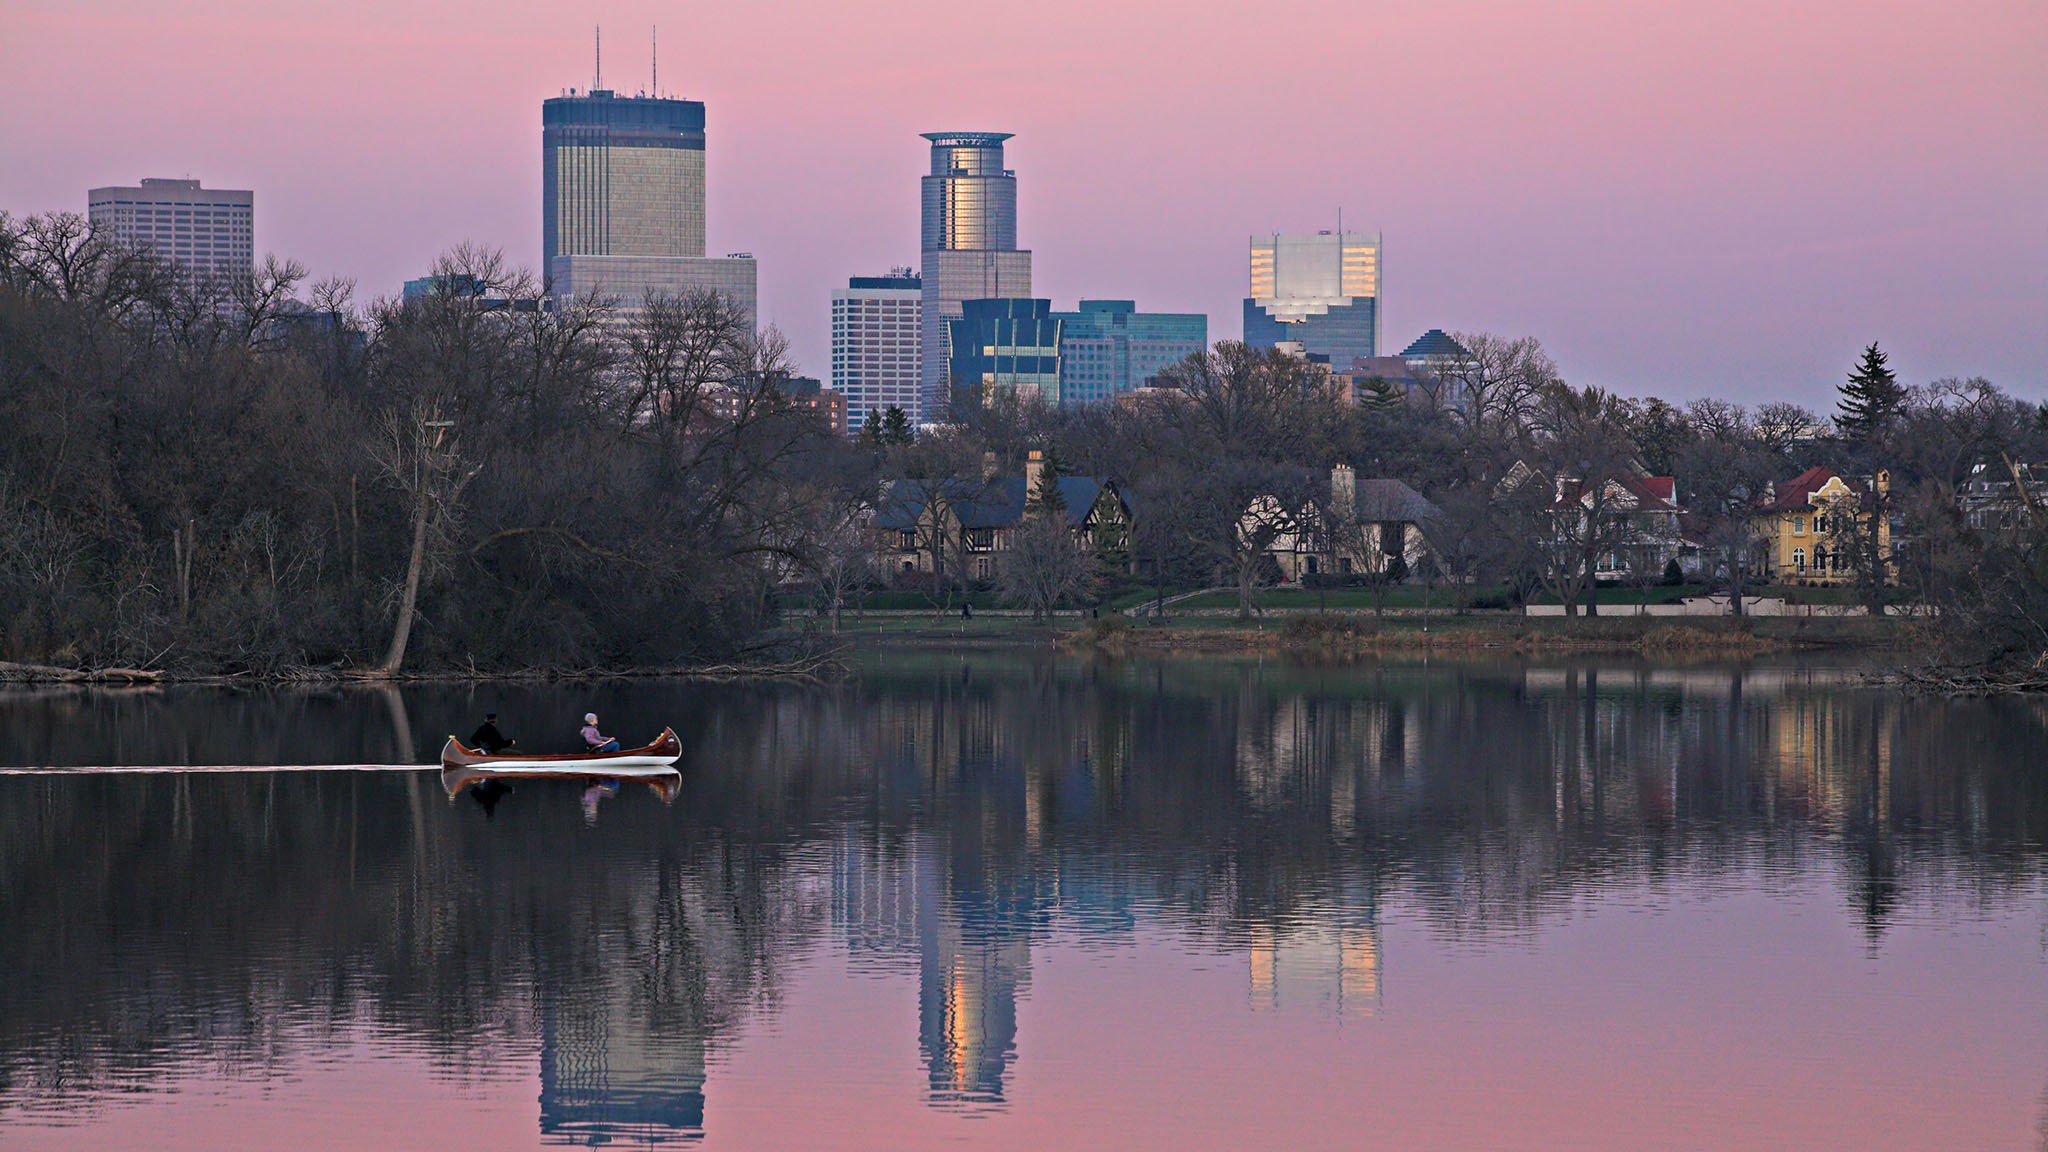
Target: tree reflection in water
928 819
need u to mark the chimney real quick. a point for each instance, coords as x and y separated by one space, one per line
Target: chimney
1343 493
1034 467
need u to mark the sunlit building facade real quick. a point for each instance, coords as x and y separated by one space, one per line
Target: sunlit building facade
622 200
968 246
876 321
1321 291
209 233
1108 348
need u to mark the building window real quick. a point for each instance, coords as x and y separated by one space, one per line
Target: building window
1799 525
1799 560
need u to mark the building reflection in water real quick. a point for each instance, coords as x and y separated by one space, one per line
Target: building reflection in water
612 1070
940 825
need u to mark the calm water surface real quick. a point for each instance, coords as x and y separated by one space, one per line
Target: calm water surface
1009 903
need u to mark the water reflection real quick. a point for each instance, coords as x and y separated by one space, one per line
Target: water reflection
931 822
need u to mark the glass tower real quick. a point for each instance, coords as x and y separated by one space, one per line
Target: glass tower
621 176
1003 344
1321 290
969 245
1108 347
622 201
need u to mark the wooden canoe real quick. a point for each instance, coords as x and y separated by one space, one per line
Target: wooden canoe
655 759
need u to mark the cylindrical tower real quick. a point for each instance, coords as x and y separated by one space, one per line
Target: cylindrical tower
970 199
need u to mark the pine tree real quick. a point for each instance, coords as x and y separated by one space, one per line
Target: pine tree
895 426
1048 497
1871 399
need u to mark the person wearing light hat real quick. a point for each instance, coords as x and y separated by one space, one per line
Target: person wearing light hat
598 741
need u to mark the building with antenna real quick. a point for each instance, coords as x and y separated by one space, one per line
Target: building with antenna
622 200
969 247
1320 291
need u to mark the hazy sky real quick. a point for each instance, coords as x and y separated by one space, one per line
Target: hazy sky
1727 198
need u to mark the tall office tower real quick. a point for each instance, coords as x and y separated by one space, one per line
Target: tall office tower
622 200
209 232
1322 291
875 345
969 246
1005 344
1109 347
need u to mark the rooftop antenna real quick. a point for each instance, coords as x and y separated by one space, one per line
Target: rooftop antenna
654 59
600 59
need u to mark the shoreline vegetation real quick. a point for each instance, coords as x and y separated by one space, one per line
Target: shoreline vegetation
262 480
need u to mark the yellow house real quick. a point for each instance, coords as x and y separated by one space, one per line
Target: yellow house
1810 528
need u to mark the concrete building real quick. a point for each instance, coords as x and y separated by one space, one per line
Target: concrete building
968 243
208 232
622 200
1108 348
876 345
1321 291
1005 344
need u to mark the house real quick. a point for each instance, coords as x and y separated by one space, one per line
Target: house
1640 523
1359 530
1991 502
1810 527
961 529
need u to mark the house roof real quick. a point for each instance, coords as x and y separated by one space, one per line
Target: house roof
1650 492
1379 497
997 503
1795 495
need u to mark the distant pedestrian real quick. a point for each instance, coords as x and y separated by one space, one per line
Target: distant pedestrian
595 740
966 610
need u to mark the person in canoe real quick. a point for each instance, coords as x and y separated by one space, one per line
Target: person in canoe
595 740
487 739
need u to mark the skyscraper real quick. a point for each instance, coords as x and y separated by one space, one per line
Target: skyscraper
622 200
1108 347
1005 344
1322 291
969 245
875 345
208 232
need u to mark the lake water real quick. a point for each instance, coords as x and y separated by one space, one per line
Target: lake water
998 902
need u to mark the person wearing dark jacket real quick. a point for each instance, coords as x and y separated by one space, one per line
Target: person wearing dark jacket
487 739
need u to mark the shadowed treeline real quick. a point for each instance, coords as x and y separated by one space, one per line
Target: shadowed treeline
937 818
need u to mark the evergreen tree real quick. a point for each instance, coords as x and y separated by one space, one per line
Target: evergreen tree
1047 496
1871 400
895 426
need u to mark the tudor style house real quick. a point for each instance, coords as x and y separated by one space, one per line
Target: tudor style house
1808 528
1358 530
961 529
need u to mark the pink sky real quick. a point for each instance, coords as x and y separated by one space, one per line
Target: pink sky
1681 199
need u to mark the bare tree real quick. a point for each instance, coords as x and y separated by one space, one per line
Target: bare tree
1042 567
419 458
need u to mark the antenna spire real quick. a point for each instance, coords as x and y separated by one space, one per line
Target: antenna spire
599 82
654 58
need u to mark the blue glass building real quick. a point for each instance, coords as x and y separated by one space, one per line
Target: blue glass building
1012 344
1109 347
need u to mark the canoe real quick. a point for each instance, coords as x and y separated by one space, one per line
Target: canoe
655 759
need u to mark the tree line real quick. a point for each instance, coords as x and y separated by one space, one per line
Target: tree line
267 475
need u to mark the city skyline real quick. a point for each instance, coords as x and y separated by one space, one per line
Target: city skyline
1680 203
